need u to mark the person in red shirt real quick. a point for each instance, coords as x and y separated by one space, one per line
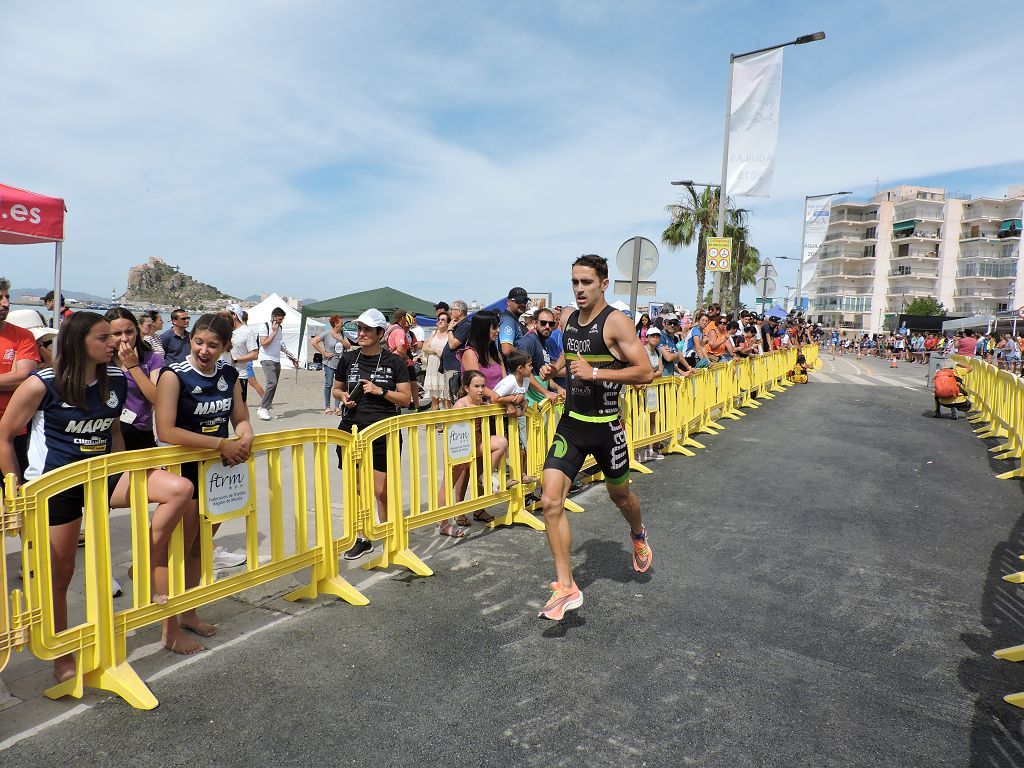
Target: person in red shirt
19 356
966 343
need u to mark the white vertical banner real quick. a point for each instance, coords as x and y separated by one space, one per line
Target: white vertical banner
754 123
816 217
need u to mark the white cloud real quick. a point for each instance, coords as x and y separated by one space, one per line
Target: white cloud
315 149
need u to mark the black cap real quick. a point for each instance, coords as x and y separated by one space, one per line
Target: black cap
49 297
519 295
442 305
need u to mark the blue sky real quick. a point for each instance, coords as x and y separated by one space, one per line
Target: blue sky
455 149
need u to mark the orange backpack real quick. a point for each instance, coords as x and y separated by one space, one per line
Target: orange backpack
945 383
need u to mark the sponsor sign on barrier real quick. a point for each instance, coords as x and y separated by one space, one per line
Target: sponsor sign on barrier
459 439
226 490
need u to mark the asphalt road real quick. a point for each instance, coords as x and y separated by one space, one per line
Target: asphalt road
825 592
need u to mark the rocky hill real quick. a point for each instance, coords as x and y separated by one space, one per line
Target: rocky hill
156 282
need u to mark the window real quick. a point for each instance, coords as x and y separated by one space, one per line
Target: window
871 234
869 251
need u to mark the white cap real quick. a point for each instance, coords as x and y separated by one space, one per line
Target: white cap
372 318
653 331
670 316
235 310
32 321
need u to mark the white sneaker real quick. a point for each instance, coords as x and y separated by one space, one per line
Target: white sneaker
495 483
115 588
263 413
222 559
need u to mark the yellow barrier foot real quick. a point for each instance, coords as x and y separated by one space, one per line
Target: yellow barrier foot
766 394
977 419
693 443
333 585
1008 455
572 506
1003 447
406 558
734 415
1019 472
522 517
677 449
1015 578
1014 653
1017 699
123 681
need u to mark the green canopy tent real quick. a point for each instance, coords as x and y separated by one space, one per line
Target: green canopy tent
350 306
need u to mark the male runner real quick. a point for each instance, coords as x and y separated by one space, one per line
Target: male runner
602 350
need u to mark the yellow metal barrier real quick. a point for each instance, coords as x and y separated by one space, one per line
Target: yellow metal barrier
100 640
422 465
998 399
429 494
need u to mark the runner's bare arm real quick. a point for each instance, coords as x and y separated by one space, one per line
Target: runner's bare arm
552 370
620 335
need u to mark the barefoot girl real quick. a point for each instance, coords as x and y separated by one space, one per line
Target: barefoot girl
195 400
75 409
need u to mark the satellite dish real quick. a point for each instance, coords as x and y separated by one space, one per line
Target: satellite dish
648 259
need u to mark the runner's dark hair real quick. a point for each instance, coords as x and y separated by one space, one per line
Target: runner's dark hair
72 369
597 263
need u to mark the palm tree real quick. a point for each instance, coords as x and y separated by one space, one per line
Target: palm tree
695 216
747 259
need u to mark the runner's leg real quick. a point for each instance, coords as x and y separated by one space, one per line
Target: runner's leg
555 488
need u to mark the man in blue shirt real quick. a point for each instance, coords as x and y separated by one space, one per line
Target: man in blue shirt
510 331
534 344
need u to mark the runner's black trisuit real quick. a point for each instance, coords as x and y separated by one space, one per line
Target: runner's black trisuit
590 424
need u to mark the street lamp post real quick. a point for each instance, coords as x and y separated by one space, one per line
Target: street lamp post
803 246
723 200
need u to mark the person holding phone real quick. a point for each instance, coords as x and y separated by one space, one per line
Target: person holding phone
271 343
372 384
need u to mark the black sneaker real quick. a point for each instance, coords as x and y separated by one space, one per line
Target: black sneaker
360 548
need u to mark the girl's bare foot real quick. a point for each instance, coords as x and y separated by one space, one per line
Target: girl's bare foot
193 623
179 642
64 668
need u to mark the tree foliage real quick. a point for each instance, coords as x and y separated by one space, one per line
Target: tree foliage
695 218
925 305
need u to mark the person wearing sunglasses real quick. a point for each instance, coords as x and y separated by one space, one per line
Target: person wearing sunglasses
534 344
176 342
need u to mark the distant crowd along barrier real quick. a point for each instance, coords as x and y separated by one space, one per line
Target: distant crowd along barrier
998 399
314 516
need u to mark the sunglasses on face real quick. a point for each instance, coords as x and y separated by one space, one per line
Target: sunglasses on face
546 323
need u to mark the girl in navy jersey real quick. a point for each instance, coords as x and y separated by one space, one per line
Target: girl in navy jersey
75 408
195 400
141 367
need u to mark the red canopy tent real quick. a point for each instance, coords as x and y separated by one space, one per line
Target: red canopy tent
25 218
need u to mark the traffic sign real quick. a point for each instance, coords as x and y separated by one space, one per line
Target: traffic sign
719 254
1020 311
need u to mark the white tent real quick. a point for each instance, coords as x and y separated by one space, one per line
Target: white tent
976 321
259 316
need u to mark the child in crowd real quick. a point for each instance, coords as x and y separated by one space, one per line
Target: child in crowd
75 409
511 392
195 400
798 374
472 393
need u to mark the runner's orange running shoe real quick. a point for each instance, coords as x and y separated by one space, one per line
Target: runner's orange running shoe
562 600
642 555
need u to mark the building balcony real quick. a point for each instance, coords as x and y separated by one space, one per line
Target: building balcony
982 274
915 253
909 291
857 237
931 274
968 292
920 236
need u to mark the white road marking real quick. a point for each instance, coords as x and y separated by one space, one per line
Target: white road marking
863 380
823 377
11 741
893 382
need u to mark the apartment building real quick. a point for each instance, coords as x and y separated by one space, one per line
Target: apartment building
908 242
